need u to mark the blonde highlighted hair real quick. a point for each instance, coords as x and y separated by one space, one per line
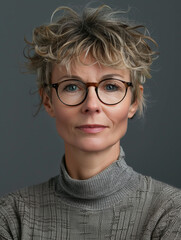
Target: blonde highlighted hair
100 32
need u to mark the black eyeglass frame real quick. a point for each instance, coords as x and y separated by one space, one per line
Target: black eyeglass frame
87 85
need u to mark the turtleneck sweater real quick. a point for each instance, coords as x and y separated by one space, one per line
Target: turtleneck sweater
117 203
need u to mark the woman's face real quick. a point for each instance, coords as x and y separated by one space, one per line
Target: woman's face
92 125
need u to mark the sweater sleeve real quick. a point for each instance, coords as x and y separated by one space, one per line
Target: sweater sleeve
169 225
9 219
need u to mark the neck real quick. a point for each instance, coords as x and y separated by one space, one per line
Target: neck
83 165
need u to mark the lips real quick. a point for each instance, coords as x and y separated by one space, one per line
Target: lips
92 128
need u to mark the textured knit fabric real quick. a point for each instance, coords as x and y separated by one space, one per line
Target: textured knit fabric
117 203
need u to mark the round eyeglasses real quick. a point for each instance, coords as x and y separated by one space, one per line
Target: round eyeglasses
73 92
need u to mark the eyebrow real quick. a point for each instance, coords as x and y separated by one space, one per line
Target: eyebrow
107 76
112 76
68 77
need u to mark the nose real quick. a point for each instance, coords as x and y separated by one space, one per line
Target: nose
91 104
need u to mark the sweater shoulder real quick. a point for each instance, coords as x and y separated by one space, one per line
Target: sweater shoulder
160 194
164 208
14 207
35 194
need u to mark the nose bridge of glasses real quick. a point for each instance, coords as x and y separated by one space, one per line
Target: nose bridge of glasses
92 84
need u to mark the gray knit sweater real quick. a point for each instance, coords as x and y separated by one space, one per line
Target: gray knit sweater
117 203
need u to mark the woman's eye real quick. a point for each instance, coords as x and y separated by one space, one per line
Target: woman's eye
71 88
111 87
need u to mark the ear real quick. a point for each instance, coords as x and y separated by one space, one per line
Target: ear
134 106
47 103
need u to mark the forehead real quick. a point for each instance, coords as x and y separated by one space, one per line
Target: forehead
87 68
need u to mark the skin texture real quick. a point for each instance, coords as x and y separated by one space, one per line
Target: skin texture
90 150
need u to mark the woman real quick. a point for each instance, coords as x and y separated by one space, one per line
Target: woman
90 72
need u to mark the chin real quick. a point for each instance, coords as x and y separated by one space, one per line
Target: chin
93 145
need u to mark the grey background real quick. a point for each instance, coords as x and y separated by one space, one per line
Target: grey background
30 148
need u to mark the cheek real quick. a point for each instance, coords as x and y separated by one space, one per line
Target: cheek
119 119
63 121
61 114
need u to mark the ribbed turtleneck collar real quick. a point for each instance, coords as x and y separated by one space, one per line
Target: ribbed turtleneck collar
101 190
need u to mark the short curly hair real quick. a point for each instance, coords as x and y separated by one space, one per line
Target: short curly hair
109 38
